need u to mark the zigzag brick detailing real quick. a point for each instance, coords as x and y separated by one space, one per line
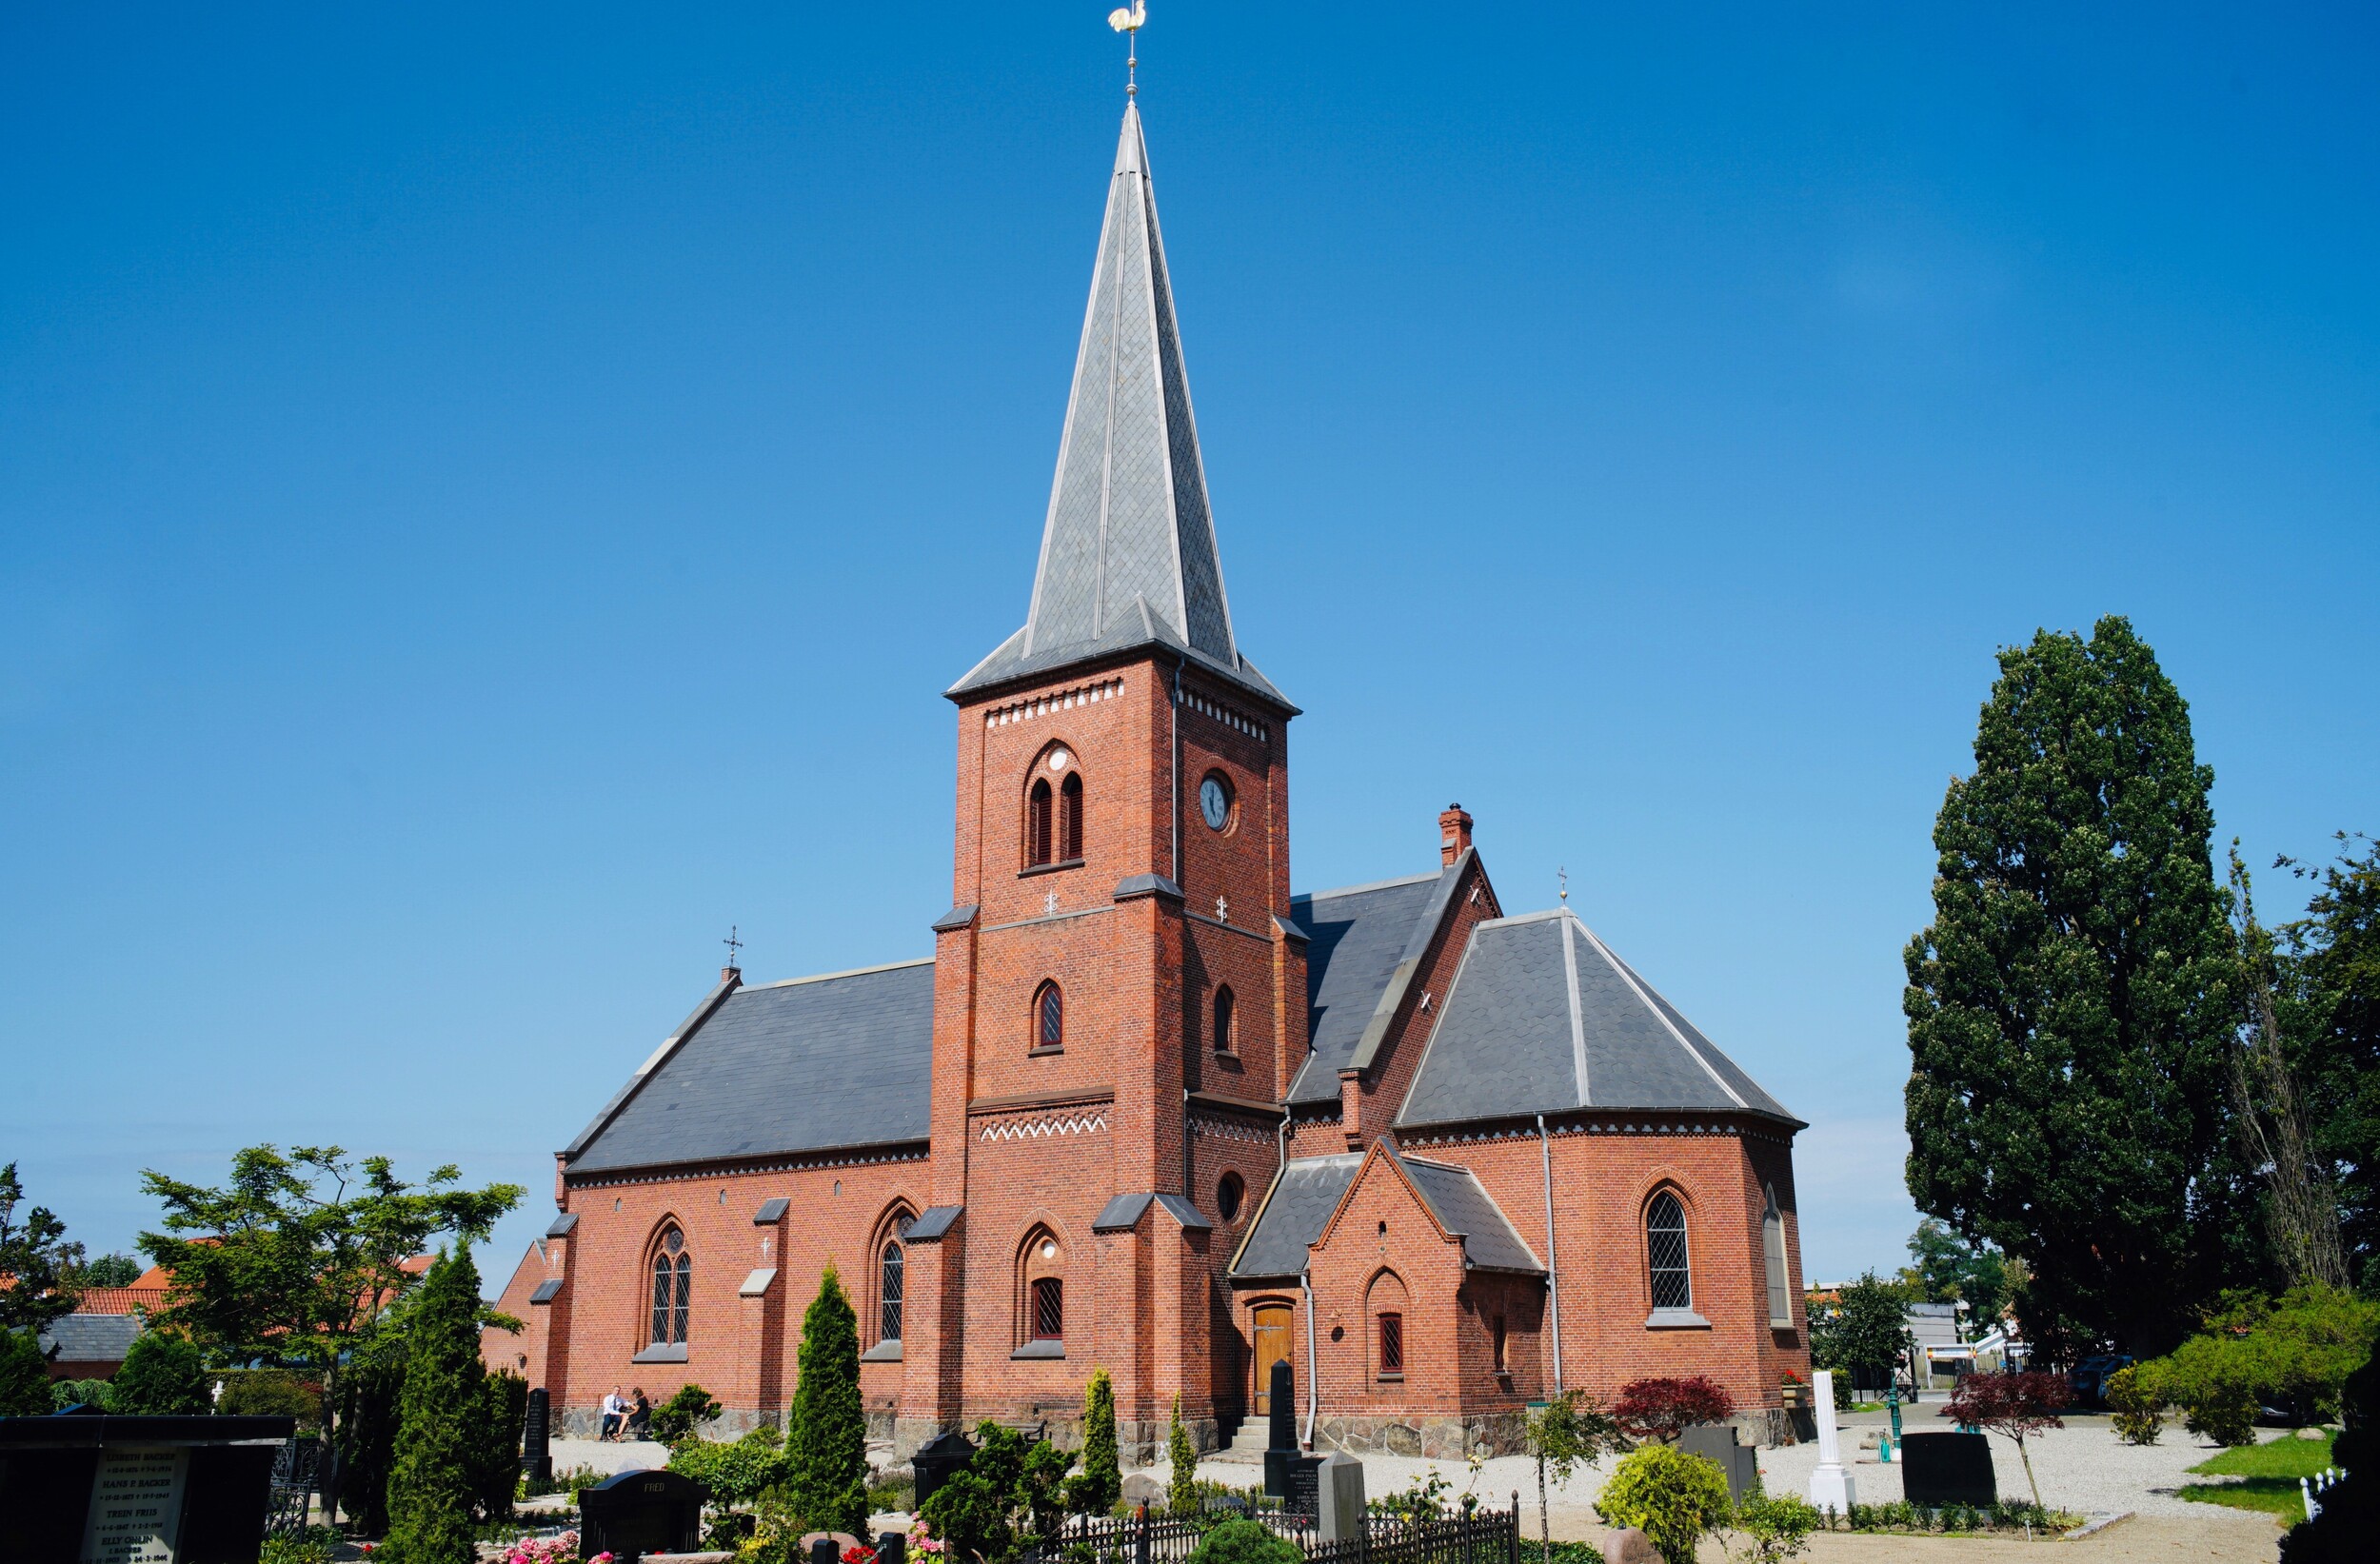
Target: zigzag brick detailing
1057 1142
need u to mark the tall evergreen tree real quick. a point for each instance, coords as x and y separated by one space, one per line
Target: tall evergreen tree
1095 1490
2072 1006
1181 1485
162 1376
24 1375
2329 1002
430 1487
828 1436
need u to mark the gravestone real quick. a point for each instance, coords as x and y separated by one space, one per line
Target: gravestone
1830 1487
1941 1469
133 1490
938 1460
1144 1488
1302 1487
1341 1481
633 1513
892 1547
1281 1445
536 1432
1715 1443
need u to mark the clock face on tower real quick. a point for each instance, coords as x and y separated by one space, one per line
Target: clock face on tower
1215 803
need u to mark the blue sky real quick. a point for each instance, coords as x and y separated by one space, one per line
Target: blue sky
489 499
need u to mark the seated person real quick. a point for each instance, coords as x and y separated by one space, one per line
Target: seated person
640 1417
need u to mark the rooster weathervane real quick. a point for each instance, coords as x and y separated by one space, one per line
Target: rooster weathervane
1129 20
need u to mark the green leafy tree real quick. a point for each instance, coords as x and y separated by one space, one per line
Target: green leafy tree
1672 1495
1568 1432
162 1376
1182 1458
430 1491
1095 1490
2073 1004
828 1426
82 1392
1946 1268
2295 1350
108 1271
1863 1335
38 1261
24 1375
2139 1411
293 1262
2327 996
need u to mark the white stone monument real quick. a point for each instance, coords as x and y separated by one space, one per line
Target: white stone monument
1829 1485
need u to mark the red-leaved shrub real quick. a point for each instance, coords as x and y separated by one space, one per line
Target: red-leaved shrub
2013 1405
1663 1409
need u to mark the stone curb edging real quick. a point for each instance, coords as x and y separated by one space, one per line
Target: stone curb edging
2100 1520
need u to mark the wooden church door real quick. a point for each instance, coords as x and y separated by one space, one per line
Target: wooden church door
1272 1346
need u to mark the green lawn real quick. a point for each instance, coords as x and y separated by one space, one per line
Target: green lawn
2268 1475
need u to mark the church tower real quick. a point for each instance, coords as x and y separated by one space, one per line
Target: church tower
1119 992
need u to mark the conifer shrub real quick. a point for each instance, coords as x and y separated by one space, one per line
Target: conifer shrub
161 1377
1245 1542
1101 1483
827 1440
1670 1495
1181 1487
430 1491
81 1393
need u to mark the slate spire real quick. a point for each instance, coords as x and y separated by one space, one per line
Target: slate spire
1128 553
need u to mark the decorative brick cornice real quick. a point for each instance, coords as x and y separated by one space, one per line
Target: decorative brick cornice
907 1151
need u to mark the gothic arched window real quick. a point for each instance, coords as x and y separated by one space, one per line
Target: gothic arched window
1773 1254
1070 817
673 1288
1040 842
1041 1301
1049 1018
1225 1040
1665 1252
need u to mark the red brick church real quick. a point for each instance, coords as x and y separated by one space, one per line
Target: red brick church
1144 1108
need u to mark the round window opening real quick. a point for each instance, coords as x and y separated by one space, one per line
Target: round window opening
1060 760
675 1241
1228 1195
1049 1250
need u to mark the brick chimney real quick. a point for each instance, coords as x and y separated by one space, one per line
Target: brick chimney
1454 835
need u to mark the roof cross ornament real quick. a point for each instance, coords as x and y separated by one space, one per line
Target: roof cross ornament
1563 875
735 947
1129 20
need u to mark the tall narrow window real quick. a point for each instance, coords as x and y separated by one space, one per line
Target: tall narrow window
1049 1018
888 1324
1224 1042
1070 817
1038 839
673 1288
1772 1252
1049 1309
1665 1253
1392 1339
1497 1328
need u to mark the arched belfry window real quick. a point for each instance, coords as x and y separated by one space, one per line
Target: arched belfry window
1049 1018
1042 1296
1225 1041
673 1288
1773 1256
1070 817
1665 1252
1040 839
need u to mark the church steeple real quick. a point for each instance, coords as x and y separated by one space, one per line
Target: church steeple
1128 555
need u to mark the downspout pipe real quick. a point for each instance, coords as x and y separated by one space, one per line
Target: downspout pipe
1314 1385
1553 1265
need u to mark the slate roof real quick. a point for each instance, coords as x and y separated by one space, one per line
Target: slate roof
1362 943
811 1064
1128 555
1462 1206
1542 1018
91 1338
1308 1190
1296 1210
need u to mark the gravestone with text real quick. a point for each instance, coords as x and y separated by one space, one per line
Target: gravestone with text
107 1490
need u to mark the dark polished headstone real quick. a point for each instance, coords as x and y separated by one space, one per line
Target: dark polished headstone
1301 1486
1939 1469
1281 1444
192 1488
938 1460
638 1512
536 1432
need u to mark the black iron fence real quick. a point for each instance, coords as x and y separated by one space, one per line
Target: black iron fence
1483 1537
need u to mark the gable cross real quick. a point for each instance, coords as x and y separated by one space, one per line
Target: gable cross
735 947
1222 910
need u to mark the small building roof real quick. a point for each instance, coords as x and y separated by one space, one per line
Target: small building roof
1464 1208
91 1338
1296 1210
1544 1018
811 1064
